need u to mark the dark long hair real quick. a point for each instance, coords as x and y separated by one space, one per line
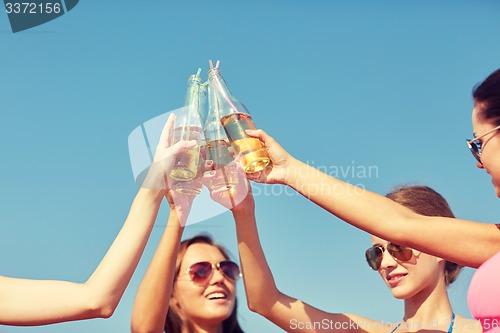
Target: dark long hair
424 200
487 98
174 322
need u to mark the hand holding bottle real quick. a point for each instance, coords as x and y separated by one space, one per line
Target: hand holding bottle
235 119
281 166
164 157
234 197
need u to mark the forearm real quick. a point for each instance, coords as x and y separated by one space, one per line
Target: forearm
25 302
153 295
109 281
384 218
38 302
359 207
261 290
263 296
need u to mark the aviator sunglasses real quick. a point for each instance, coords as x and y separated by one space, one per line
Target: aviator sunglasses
475 145
375 254
201 272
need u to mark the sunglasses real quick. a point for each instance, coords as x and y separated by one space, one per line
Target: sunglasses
375 254
475 145
201 272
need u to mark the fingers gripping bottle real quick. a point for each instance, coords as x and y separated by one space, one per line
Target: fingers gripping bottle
235 119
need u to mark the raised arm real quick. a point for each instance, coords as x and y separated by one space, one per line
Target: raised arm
263 296
153 296
381 216
26 302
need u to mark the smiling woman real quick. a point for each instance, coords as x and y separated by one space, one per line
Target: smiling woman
204 291
419 279
188 287
436 235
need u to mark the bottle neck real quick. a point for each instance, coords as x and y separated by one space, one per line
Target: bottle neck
228 104
192 92
217 82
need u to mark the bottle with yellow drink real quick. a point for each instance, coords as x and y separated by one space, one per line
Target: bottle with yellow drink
235 119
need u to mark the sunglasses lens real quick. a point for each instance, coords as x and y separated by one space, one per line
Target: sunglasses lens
230 269
199 272
374 257
399 252
475 149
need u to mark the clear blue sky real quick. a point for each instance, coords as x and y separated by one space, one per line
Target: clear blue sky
354 85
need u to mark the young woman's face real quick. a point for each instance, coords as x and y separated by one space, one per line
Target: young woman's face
490 151
208 303
407 279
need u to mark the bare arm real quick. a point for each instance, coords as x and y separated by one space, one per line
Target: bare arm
153 296
263 296
26 302
380 216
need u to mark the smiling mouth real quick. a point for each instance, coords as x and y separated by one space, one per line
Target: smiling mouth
216 295
393 279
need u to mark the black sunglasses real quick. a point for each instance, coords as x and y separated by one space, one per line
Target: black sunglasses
375 254
475 145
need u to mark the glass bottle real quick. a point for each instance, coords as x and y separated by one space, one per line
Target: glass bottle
188 127
235 119
224 170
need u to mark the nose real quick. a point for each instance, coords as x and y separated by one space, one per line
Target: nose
480 165
387 261
217 276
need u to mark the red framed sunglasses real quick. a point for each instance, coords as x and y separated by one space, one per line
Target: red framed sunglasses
201 272
375 254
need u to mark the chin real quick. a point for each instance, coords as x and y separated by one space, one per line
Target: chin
399 296
222 313
497 191
219 317
402 293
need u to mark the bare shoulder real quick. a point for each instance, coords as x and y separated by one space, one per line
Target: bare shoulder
466 325
366 325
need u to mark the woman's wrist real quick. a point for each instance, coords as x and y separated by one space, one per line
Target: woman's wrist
153 194
174 220
246 207
292 170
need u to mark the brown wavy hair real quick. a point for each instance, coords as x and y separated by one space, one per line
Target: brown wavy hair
424 200
174 322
